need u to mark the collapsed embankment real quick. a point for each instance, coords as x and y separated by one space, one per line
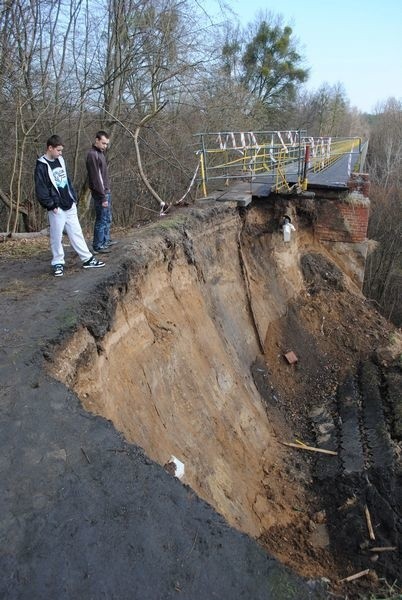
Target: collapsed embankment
173 371
185 355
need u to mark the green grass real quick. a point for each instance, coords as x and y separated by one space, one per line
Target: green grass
386 592
68 319
168 222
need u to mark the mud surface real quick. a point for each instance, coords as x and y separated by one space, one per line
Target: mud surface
85 514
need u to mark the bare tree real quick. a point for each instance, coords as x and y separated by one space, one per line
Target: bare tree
162 54
383 281
385 151
152 72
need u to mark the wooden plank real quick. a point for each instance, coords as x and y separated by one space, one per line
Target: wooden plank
242 198
355 576
245 201
369 523
310 448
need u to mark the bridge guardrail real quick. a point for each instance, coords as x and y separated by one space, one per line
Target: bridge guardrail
289 155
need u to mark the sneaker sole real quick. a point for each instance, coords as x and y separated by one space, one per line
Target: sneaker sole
58 274
93 266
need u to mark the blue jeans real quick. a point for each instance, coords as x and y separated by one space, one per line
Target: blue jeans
102 224
109 217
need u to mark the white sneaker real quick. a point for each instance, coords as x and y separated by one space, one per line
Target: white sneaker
58 270
93 263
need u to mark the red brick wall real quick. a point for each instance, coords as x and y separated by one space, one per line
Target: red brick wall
339 221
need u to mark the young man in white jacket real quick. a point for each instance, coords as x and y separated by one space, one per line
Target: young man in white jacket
56 193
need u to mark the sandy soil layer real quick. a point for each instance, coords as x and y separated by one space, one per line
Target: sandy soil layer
85 514
179 344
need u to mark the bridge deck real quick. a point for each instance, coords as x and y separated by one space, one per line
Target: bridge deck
335 176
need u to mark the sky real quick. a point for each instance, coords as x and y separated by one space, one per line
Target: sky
357 43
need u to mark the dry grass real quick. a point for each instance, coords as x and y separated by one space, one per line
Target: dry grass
356 199
17 288
25 248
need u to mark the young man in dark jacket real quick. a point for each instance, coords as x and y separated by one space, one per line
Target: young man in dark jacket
99 185
55 193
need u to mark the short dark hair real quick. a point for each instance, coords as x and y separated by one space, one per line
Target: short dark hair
54 141
101 133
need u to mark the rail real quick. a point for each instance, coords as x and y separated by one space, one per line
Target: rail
288 155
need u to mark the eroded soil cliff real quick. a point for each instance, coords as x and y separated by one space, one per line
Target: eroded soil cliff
183 349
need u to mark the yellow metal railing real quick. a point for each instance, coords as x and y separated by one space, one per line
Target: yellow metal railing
231 155
337 149
239 155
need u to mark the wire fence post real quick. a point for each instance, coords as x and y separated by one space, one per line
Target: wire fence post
203 166
202 171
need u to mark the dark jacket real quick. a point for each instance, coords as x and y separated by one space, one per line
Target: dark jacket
46 188
98 177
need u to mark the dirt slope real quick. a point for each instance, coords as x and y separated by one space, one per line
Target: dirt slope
179 343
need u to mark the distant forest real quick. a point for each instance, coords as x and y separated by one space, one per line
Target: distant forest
153 73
